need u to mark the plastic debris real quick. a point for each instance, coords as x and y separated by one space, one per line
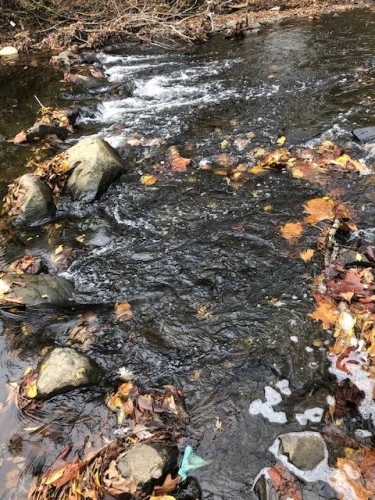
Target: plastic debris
190 462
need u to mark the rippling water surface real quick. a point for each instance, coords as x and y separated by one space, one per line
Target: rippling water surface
220 306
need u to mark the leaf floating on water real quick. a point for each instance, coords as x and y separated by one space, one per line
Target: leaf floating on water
168 486
291 230
148 180
123 311
281 140
178 163
307 255
319 209
59 250
327 313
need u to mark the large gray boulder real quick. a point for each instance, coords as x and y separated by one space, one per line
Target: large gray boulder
64 369
147 462
37 205
94 165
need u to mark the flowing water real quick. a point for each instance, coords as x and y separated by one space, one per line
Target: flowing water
220 306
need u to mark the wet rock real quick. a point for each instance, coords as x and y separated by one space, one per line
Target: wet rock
147 462
66 58
40 130
299 137
305 450
8 51
64 369
305 454
36 205
365 134
31 289
90 58
86 82
95 165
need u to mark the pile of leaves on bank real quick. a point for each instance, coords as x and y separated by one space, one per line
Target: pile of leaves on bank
344 295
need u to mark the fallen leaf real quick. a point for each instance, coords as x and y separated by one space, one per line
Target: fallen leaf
168 486
291 230
59 250
20 137
327 313
319 209
178 163
123 311
148 180
281 140
307 255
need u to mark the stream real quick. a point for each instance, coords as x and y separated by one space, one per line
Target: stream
220 306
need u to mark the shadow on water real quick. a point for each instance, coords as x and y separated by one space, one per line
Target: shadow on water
219 302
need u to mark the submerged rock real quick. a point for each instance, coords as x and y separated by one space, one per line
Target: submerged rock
36 203
299 137
64 369
37 289
147 462
94 165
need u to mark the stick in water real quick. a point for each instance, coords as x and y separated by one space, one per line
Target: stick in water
40 104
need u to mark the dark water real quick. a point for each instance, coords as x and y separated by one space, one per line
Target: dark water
220 304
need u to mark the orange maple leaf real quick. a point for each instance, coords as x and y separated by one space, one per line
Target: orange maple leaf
319 209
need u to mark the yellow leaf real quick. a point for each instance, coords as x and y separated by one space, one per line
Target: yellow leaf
258 152
291 230
32 391
59 249
148 180
224 144
281 140
319 209
45 296
268 208
54 476
257 169
307 255
80 238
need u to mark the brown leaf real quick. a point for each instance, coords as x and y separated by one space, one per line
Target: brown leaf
178 163
168 486
123 311
20 137
307 255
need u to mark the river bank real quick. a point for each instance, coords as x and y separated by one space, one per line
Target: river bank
167 25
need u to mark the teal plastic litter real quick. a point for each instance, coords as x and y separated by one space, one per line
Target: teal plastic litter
190 462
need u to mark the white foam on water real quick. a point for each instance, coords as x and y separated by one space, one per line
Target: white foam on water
313 415
258 407
283 386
